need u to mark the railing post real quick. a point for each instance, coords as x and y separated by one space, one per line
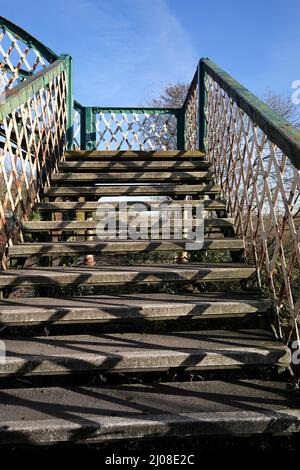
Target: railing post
202 97
70 105
88 129
180 129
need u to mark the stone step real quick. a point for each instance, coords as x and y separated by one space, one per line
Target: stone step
130 177
93 206
73 225
149 307
132 155
139 411
132 165
136 352
133 190
121 246
148 273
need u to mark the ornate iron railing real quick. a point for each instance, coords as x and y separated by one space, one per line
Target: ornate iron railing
255 153
78 137
256 158
126 128
35 121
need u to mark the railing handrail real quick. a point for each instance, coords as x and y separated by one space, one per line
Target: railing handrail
135 109
18 95
277 129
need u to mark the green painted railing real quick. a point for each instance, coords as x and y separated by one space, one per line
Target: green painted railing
36 119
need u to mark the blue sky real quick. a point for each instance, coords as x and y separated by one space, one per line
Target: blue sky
126 51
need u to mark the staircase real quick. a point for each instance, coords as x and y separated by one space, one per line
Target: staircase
163 319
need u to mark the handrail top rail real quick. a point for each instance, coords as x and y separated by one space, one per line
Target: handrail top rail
277 129
134 109
30 40
195 77
15 97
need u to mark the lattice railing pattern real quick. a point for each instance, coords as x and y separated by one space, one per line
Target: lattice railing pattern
18 60
31 143
135 131
191 118
262 191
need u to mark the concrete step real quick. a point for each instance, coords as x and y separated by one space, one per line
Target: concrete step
165 189
148 273
136 352
132 155
120 246
149 307
131 177
81 165
93 206
73 225
99 414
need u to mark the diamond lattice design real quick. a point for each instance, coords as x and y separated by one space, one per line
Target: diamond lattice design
17 59
191 119
76 128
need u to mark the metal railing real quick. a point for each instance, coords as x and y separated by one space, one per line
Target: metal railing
21 55
139 128
255 154
35 122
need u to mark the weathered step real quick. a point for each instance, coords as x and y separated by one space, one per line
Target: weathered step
135 411
120 246
92 206
127 177
130 165
148 273
105 308
94 155
136 352
73 225
133 190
